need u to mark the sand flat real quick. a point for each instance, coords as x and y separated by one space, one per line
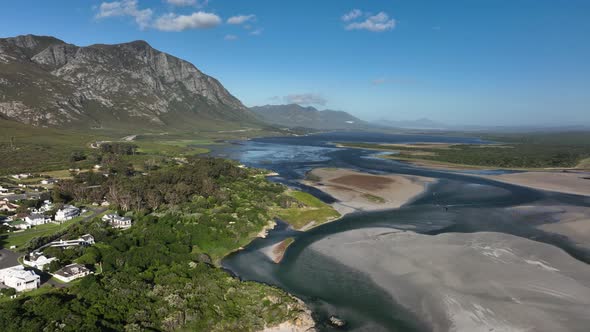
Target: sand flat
357 191
569 220
564 182
471 282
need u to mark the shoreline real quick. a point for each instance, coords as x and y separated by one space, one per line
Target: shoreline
363 192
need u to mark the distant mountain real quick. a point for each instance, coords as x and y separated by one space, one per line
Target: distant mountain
422 123
293 115
47 82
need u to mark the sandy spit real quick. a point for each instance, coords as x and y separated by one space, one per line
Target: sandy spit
357 191
577 183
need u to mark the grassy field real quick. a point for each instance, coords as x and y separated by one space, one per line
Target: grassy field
314 211
19 239
24 148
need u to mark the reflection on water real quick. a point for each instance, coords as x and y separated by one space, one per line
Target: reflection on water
458 202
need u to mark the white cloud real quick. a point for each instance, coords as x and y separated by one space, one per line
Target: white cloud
181 3
305 99
230 37
125 8
376 23
355 13
379 81
240 19
184 3
256 32
198 20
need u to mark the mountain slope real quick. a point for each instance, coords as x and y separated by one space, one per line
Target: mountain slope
423 123
47 82
294 115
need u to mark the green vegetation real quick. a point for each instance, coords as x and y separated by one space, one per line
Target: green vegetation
374 198
562 150
152 279
159 275
24 148
305 210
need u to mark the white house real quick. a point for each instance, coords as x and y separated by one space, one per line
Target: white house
21 176
20 279
19 224
6 206
71 272
117 221
35 219
4 191
48 181
68 212
38 260
46 207
84 240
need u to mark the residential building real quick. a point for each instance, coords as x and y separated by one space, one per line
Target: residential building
68 212
35 219
21 176
84 240
48 181
20 279
46 207
38 260
117 221
6 206
19 224
71 272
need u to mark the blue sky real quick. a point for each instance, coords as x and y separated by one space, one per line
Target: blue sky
492 62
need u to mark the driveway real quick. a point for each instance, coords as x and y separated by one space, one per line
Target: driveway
8 258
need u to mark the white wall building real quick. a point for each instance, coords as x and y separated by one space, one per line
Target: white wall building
20 279
35 219
71 272
84 240
38 260
117 221
66 213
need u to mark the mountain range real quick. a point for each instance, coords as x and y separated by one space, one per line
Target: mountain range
294 115
45 81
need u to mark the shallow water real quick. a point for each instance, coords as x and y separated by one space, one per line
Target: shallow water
474 205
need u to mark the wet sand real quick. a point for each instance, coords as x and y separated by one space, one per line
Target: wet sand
564 182
471 282
357 191
571 221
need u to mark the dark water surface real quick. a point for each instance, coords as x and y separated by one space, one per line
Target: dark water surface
329 288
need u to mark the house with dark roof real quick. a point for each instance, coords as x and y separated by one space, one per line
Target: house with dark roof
71 272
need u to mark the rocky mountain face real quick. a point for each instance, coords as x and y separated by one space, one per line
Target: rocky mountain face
47 82
294 115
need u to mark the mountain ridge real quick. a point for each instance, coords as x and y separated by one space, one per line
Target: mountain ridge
294 115
45 81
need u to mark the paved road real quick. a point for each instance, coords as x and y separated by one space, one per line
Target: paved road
8 258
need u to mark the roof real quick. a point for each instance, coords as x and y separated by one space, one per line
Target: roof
69 207
19 272
87 237
72 270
